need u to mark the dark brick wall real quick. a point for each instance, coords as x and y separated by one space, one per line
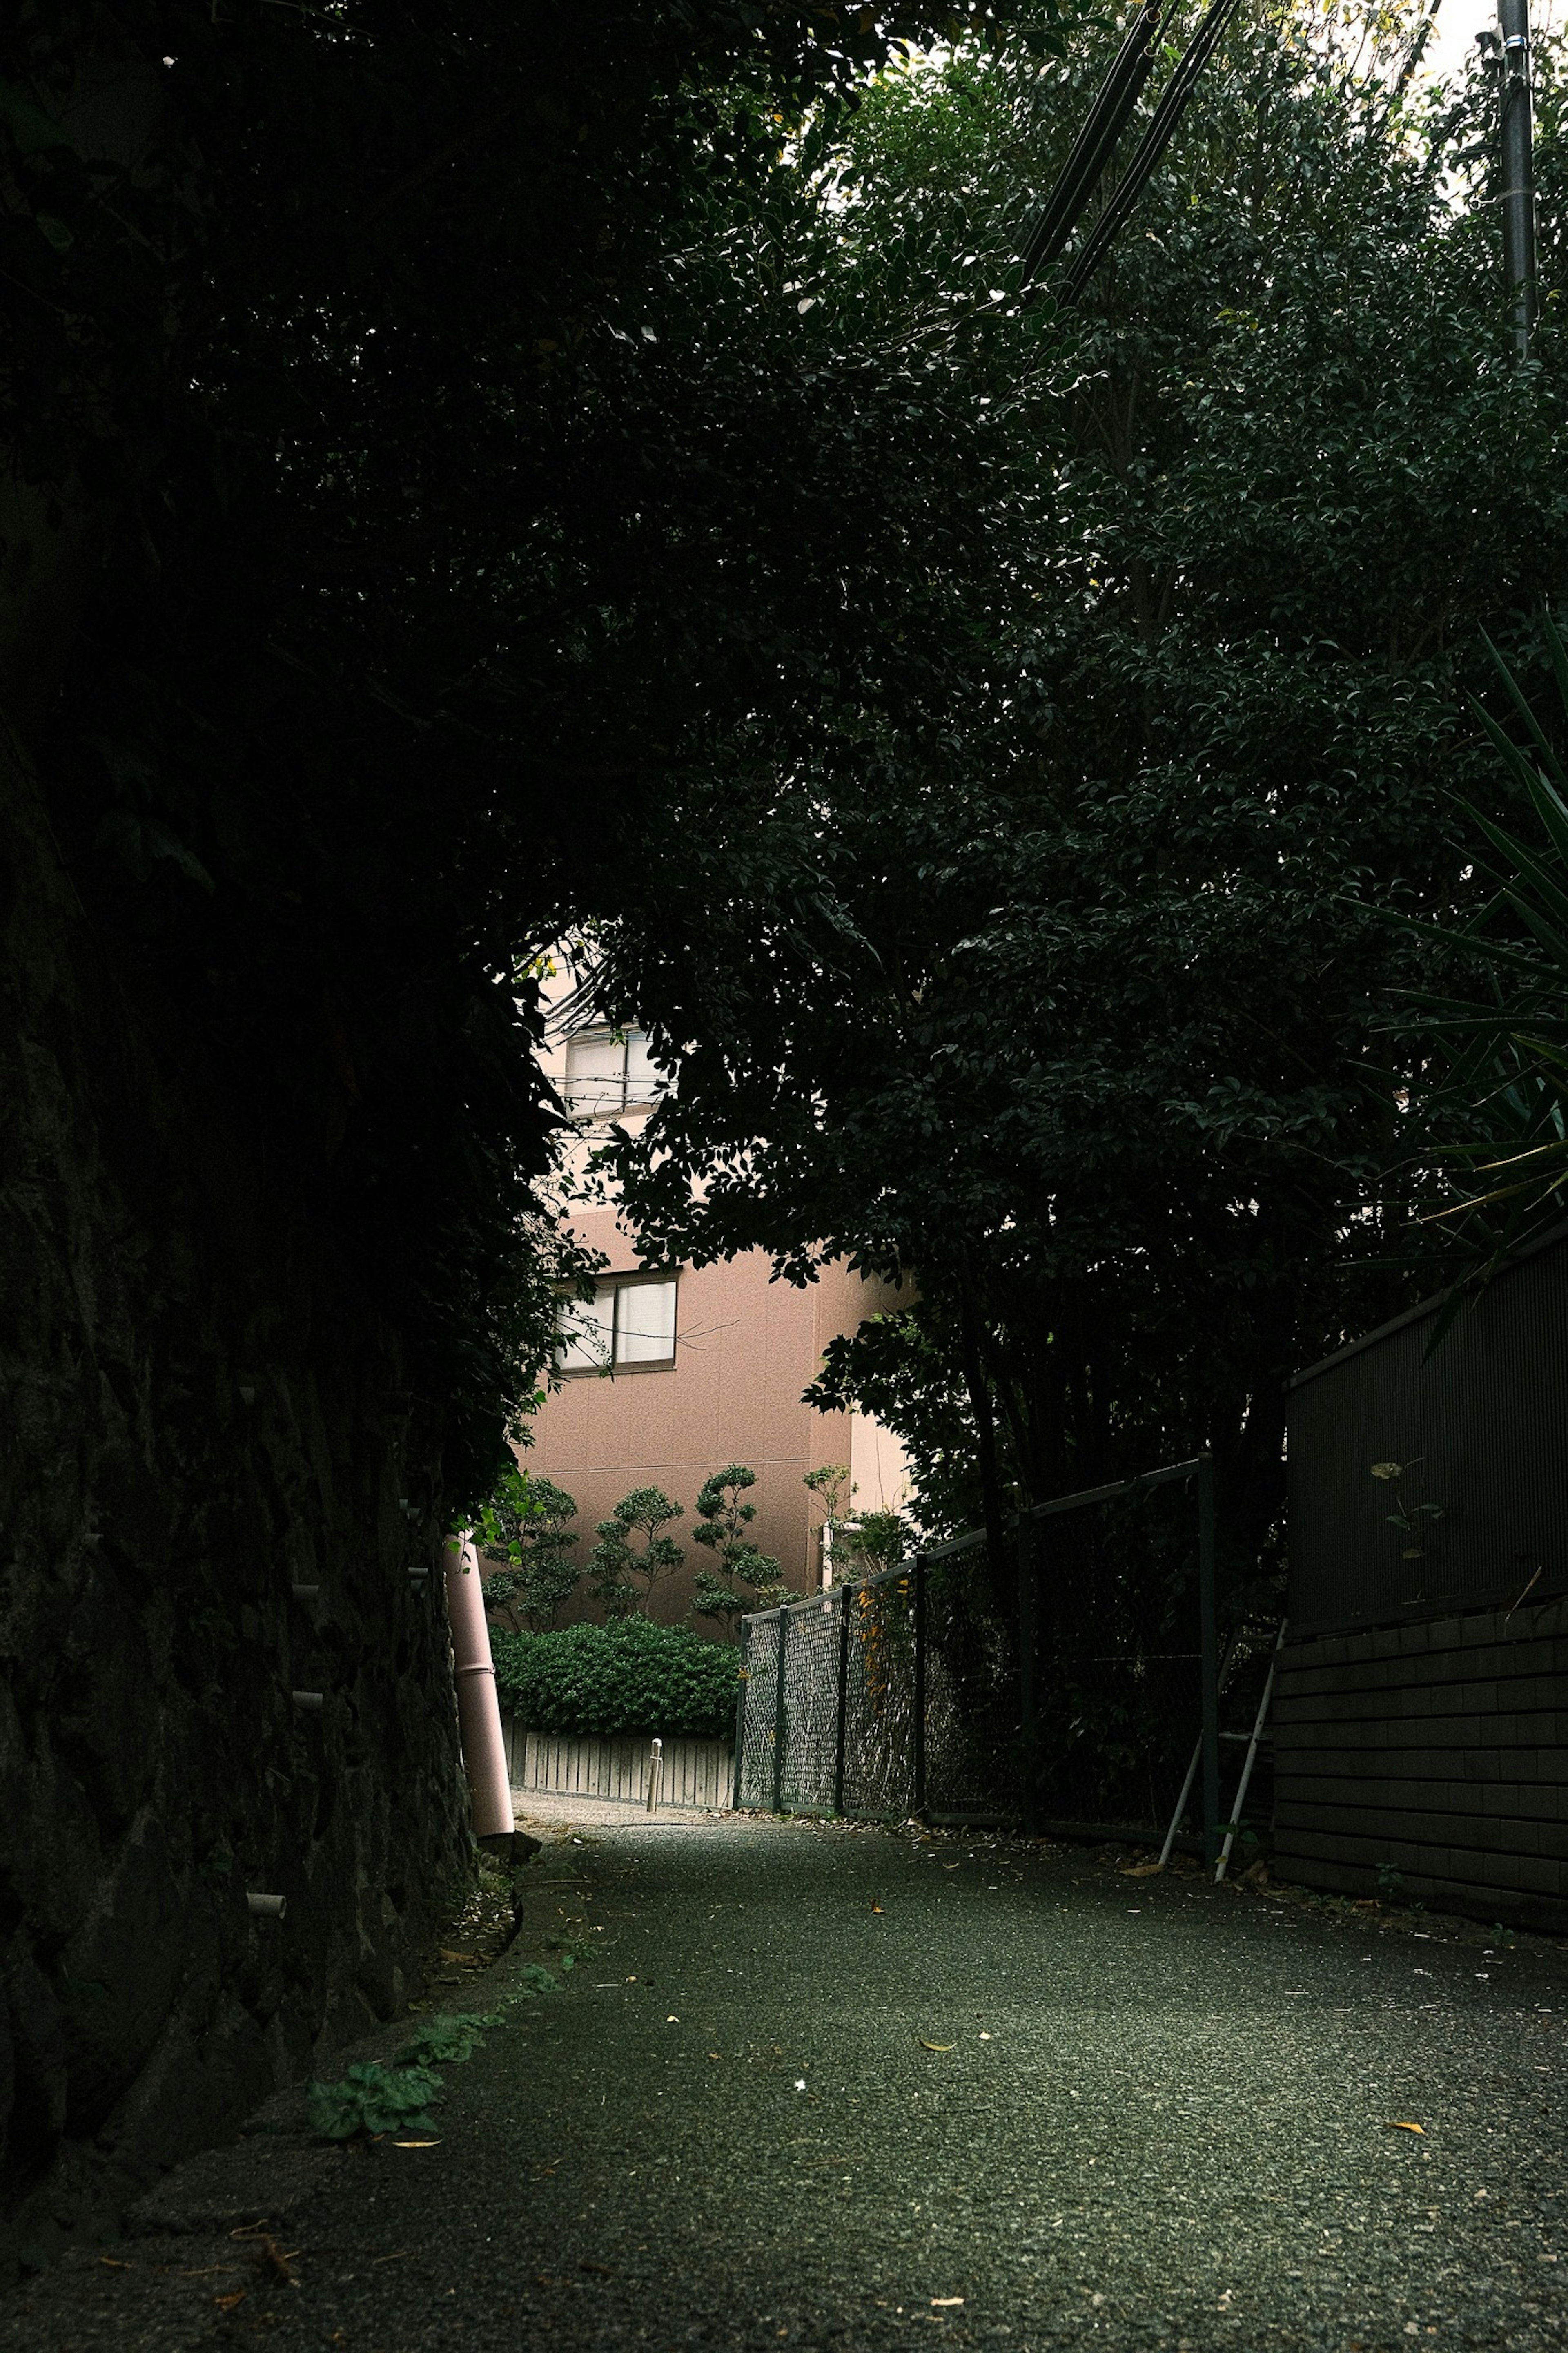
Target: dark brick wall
1439 1746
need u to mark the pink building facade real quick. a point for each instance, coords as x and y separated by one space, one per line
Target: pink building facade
667 1378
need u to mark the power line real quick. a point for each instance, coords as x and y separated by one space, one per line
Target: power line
1092 150
1146 155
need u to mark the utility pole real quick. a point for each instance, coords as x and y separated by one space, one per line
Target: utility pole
1517 173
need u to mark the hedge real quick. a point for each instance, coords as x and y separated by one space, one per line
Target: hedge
632 1677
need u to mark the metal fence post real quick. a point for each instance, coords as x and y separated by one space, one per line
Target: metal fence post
840 1750
740 1716
1208 1642
779 1717
917 1571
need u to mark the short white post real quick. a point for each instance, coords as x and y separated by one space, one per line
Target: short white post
655 1769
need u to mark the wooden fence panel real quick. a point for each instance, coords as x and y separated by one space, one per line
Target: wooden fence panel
696 1773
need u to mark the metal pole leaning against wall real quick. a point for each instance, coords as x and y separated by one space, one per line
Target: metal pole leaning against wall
780 1726
1208 1646
740 1718
917 1575
840 1750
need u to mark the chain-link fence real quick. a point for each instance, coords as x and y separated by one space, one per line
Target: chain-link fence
1066 1684
890 1696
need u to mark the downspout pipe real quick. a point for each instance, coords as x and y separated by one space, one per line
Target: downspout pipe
479 1710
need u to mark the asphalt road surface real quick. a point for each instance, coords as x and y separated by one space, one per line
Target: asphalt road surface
811 2084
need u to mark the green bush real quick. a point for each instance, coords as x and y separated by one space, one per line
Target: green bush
628 1677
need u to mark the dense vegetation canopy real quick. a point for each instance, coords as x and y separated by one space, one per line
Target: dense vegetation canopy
473 474
1024 932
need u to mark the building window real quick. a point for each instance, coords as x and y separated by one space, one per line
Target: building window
610 1070
630 1322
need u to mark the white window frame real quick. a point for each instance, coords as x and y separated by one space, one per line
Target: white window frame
620 1095
619 1288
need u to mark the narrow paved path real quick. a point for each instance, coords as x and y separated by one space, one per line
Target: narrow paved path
824 2086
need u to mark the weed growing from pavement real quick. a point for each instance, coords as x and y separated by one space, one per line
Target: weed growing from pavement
372 2099
445 2040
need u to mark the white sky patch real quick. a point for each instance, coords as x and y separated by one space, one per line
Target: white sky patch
1459 21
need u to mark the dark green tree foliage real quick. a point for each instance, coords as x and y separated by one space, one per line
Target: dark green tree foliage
1026 957
324 515
881 1540
742 1577
524 1522
1485 1069
623 1571
634 1677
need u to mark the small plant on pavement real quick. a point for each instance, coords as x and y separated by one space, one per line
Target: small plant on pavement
618 1567
534 1977
370 2099
743 1579
443 2040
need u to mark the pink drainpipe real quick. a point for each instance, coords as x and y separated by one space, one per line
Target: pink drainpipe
478 1710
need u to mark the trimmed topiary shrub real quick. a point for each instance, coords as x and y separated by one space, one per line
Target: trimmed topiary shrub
626 1678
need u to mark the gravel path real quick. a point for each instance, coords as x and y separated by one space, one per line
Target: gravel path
813 2084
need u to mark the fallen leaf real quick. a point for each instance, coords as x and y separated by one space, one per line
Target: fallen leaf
1141 1870
227 2303
112 2264
933 2046
1391 2125
415 2144
395 2257
876 1907
672 2020
468 1959
946 2301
